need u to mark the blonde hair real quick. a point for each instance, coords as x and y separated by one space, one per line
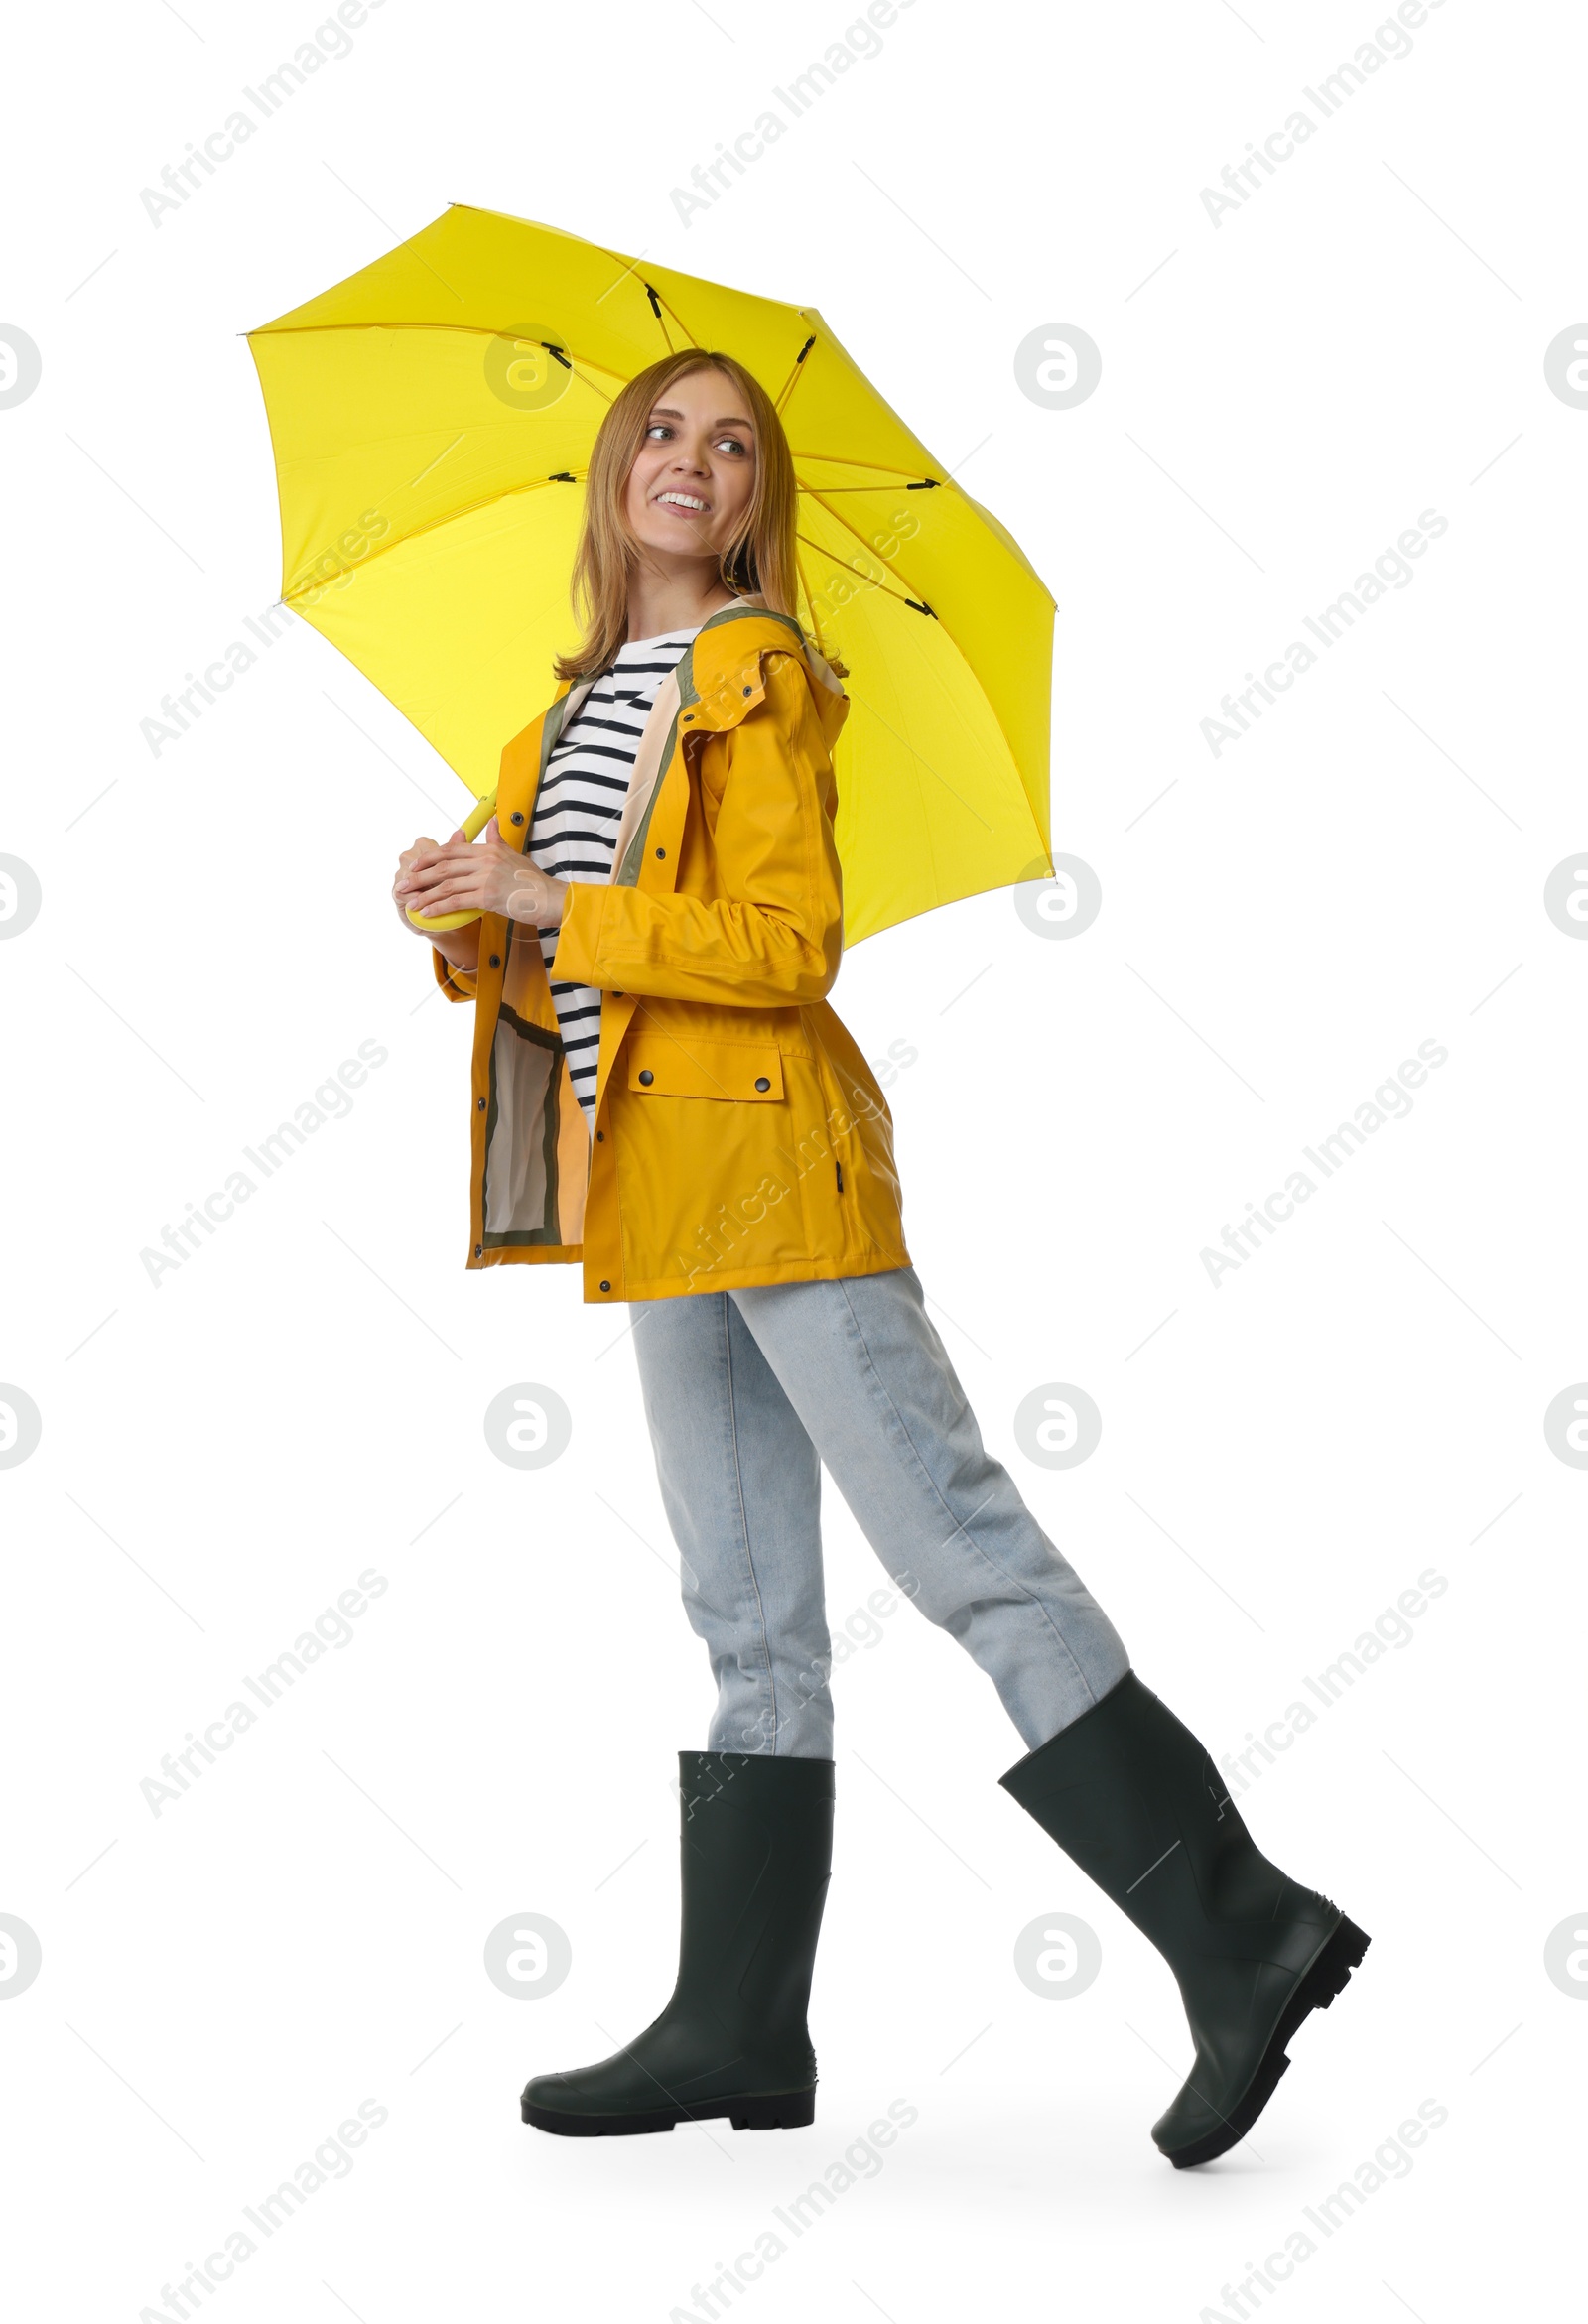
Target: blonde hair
757 561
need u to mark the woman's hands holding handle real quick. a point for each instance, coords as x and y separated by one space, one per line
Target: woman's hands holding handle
435 880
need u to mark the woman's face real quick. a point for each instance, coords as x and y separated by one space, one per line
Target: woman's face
695 471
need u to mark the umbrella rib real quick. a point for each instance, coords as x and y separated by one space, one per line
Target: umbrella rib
478 330
876 713
810 601
293 331
471 508
841 459
785 392
653 297
903 740
689 336
839 519
833 559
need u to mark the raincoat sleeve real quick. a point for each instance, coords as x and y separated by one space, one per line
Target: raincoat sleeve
775 938
457 983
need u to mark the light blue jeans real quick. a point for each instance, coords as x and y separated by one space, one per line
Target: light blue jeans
747 1393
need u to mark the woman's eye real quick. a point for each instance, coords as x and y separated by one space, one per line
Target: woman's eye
731 442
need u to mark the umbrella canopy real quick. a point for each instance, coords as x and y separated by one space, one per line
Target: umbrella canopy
432 419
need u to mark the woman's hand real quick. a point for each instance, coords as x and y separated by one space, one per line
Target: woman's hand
423 851
462 877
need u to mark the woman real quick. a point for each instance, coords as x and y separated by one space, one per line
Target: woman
661 1093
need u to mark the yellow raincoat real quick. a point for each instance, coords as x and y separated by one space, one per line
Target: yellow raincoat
740 1136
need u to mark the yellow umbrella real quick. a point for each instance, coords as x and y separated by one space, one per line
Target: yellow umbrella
432 419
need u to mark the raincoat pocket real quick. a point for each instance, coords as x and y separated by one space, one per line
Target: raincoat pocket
747 1073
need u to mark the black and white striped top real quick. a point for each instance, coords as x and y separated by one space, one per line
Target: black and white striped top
573 831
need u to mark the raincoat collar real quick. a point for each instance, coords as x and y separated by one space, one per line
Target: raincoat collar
718 676
718 673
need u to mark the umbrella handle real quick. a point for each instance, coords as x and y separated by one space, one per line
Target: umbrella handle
473 824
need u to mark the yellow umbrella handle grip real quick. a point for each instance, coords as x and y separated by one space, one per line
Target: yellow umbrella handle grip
473 824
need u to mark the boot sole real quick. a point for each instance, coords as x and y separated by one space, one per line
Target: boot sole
778 2110
1328 1974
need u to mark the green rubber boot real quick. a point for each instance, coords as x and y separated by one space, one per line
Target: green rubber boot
1131 1796
756 1850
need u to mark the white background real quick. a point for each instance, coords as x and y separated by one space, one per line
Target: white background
1281 396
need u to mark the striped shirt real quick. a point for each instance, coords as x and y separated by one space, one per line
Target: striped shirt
573 833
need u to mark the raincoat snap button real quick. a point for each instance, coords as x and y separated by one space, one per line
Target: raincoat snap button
495 960
515 818
606 1287
660 852
600 1137
761 1081
479 1250
749 690
479 1104
646 1079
